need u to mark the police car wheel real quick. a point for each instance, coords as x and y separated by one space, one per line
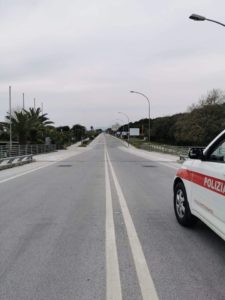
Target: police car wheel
181 206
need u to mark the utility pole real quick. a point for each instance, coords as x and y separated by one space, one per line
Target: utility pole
23 102
128 125
10 122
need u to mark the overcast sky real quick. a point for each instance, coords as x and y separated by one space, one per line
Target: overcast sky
80 58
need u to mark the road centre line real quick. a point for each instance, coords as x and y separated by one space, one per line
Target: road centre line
146 283
113 284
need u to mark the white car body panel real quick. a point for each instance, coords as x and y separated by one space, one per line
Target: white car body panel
204 181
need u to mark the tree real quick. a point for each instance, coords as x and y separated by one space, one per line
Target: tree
65 135
213 97
28 125
20 125
38 122
198 126
205 120
79 132
4 132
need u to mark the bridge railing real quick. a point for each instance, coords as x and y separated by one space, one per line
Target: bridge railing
20 150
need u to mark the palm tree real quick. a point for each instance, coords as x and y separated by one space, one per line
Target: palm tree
28 125
20 126
38 123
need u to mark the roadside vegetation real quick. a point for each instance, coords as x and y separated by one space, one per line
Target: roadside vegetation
33 127
195 127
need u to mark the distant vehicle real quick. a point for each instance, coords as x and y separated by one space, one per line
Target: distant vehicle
199 187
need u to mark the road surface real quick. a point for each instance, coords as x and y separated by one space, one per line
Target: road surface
98 223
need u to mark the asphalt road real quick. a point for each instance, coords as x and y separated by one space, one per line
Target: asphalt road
98 223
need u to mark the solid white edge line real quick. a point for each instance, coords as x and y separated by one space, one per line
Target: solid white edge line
38 168
25 173
146 283
113 284
166 163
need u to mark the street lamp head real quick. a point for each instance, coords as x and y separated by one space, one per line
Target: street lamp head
197 17
201 18
132 91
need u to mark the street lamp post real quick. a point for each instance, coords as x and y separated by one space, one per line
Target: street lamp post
128 136
196 17
149 135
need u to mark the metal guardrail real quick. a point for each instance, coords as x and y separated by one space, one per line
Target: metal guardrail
20 150
15 160
174 150
180 151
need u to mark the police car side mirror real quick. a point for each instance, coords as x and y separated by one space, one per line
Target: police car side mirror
196 153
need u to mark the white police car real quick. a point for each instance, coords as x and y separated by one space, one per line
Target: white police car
199 187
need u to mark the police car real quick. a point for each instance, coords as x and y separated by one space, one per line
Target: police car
199 187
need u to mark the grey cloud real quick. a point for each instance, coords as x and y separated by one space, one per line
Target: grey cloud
81 56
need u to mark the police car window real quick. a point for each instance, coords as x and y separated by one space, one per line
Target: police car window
218 153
